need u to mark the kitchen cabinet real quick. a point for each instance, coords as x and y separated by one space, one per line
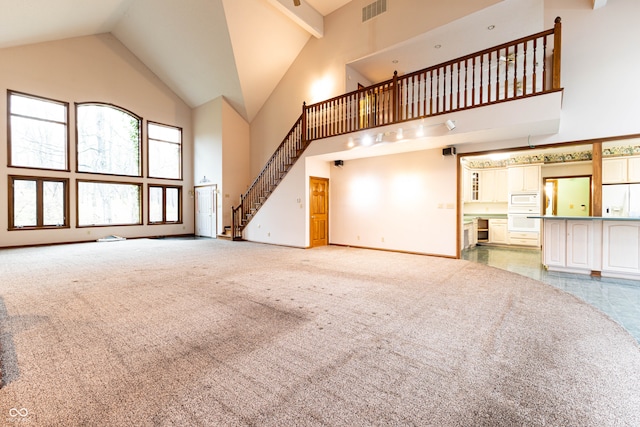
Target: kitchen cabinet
524 238
498 231
524 178
579 244
568 244
620 170
482 229
485 185
470 234
621 247
554 246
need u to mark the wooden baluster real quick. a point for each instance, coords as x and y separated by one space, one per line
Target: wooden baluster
524 70
431 92
444 89
534 81
304 123
458 85
450 87
498 73
438 90
544 64
488 80
515 71
394 98
473 81
466 77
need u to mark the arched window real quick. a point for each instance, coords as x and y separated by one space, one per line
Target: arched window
108 140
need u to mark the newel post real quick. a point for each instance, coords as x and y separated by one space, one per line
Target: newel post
304 124
557 53
394 97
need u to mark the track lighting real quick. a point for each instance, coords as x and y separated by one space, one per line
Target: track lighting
450 124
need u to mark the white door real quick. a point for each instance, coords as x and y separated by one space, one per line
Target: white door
205 211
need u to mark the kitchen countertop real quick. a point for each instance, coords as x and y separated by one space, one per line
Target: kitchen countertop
587 218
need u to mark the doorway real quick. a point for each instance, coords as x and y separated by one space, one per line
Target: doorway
205 208
567 196
318 211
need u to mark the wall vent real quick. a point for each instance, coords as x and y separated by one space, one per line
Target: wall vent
374 9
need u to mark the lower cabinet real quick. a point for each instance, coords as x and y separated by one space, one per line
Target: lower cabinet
568 244
524 238
498 231
621 247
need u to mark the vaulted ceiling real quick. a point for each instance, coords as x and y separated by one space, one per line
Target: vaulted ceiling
239 49
201 49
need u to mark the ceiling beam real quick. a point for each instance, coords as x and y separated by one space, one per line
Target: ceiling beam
303 15
599 3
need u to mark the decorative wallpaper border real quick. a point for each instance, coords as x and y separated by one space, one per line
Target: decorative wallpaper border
578 156
620 151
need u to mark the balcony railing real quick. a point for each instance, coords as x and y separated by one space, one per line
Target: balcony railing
526 67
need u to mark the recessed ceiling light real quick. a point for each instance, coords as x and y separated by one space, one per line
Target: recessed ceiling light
438 46
395 61
491 27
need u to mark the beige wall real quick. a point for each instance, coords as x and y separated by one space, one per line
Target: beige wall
99 69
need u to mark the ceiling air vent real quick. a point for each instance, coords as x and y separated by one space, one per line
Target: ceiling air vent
374 9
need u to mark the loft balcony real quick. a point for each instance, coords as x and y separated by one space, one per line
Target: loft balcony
506 91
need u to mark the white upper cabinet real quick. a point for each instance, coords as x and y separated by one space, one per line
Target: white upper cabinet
619 170
485 185
524 178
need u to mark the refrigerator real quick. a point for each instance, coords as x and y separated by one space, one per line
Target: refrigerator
621 200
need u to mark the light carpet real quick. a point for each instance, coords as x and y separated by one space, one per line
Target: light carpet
218 333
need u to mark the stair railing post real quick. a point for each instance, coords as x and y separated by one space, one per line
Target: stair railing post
304 124
557 53
233 223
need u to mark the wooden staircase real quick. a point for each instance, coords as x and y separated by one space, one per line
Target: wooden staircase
529 66
276 168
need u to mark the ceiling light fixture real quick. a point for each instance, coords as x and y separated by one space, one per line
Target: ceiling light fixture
450 124
491 27
438 46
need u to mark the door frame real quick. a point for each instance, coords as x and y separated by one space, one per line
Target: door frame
311 179
214 201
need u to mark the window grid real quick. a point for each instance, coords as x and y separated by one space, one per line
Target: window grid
164 151
165 204
38 203
37 127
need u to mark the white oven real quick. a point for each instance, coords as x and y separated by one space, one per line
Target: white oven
522 222
520 207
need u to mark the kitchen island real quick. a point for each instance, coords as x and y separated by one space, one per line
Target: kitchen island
606 246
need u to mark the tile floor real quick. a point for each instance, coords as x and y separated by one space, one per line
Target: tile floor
618 298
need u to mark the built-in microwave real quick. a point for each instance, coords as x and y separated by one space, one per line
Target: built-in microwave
524 199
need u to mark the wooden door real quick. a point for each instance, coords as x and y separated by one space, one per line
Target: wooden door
319 211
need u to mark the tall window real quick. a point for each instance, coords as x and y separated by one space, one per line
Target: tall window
37 202
108 140
164 204
165 151
108 203
38 133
